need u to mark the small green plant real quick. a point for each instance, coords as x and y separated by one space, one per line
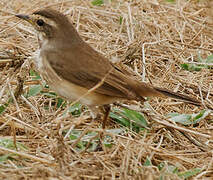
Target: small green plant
129 118
91 140
197 67
75 109
9 144
34 90
166 168
97 2
147 162
189 173
34 75
188 119
3 107
170 1
120 20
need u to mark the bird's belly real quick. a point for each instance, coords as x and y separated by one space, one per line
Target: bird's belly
74 92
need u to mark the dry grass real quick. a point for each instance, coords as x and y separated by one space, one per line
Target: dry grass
153 38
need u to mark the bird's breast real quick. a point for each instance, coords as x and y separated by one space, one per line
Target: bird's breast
38 60
66 88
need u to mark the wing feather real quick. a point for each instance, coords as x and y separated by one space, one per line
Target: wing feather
85 67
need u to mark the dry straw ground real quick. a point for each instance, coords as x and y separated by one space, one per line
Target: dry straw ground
153 38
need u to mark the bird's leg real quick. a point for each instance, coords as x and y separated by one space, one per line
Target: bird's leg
106 109
94 112
97 111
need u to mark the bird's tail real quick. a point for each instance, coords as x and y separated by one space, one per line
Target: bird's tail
146 90
175 95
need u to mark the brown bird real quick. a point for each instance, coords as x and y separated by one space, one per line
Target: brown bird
71 67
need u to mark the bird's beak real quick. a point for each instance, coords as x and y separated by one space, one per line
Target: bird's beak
25 17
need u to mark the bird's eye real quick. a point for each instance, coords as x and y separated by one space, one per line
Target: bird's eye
40 22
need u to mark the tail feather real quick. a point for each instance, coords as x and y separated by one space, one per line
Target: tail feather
175 95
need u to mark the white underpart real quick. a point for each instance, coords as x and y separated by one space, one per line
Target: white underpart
37 59
43 42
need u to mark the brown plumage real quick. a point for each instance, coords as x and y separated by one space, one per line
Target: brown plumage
72 67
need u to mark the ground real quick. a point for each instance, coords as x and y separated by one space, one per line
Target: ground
166 43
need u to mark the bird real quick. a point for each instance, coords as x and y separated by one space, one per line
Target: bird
71 67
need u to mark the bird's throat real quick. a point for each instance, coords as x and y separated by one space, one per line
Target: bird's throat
42 41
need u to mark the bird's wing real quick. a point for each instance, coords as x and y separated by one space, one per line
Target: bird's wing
83 66
86 68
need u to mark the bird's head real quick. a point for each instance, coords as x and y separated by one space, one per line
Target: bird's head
51 24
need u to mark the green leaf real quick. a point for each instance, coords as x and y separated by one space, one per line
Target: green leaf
120 20
147 162
3 107
129 118
35 75
171 1
74 134
81 145
34 90
189 173
161 166
89 138
201 115
188 119
108 145
209 59
60 102
118 118
136 117
191 67
185 119
6 157
185 66
161 177
198 67
75 109
97 2
8 143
